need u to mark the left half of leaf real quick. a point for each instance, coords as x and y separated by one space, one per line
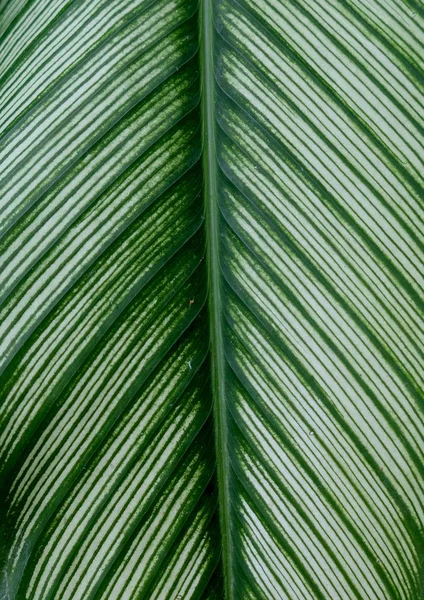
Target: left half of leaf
106 460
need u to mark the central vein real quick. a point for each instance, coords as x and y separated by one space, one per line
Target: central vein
214 276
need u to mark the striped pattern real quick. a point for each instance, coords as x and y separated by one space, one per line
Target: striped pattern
106 460
320 148
268 304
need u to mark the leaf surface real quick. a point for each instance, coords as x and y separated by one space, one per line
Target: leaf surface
211 300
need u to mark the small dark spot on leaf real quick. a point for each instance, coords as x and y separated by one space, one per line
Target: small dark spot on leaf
210 489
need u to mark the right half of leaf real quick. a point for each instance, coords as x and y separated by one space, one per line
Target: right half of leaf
320 146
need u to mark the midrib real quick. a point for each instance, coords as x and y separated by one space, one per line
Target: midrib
214 278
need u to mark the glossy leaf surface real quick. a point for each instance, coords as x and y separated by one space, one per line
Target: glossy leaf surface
211 287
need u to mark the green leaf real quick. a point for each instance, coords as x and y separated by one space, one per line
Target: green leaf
211 300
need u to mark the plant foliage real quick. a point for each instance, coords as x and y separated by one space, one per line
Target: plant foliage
211 299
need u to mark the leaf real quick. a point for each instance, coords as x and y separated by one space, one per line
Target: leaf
211 300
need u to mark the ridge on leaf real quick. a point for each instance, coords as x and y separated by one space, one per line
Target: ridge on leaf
211 300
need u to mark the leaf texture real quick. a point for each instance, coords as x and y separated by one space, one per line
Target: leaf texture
320 191
105 415
211 300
